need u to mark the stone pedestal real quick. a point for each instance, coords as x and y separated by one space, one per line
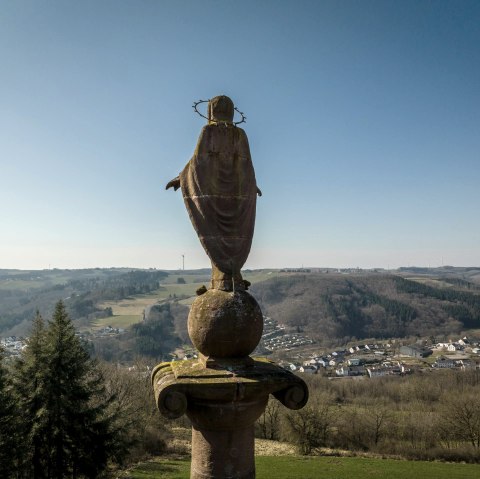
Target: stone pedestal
223 402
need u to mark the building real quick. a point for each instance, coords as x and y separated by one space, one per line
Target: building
445 363
415 351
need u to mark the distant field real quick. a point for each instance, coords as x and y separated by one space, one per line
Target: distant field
33 282
260 275
127 311
204 278
28 280
321 468
187 289
120 321
130 311
438 283
187 276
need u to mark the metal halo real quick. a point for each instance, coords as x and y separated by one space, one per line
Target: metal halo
244 118
194 106
196 103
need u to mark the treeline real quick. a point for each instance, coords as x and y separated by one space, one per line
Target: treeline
426 417
62 415
120 286
349 307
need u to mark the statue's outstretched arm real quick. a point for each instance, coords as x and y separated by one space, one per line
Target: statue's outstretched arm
175 184
259 191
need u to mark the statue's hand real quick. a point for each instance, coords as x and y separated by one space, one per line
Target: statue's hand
175 184
259 191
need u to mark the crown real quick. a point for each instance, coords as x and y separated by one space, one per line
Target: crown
196 103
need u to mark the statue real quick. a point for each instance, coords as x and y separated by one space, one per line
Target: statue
225 390
219 190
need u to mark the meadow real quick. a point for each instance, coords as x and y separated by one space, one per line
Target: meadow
308 467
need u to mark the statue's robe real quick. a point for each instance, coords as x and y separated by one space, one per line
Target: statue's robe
219 189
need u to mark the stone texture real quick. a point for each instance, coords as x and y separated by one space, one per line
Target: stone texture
224 324
234 447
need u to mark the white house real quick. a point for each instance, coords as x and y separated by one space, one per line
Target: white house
377 372
308 369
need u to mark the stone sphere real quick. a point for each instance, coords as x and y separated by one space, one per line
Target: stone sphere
223 324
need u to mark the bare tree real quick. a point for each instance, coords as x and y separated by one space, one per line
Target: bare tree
377 416
269 421
312 426
461 416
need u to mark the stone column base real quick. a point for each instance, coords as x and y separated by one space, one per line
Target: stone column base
223 402
223 454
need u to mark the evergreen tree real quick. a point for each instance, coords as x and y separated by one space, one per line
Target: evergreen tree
8 425
68 431
78 431
30 390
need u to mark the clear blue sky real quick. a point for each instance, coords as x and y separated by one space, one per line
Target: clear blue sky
363 122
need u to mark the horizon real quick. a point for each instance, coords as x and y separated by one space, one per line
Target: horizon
363 121
208 268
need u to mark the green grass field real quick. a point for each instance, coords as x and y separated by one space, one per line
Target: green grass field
121 321
291 467
34 282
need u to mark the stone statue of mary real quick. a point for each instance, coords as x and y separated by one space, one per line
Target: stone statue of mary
220 193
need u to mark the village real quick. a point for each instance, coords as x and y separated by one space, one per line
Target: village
275 337
293 351
14 345
388 359
366 360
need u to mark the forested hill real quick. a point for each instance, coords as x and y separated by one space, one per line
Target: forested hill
370 305
337 306
24 292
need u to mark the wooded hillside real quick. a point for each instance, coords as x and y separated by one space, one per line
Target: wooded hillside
326 305
374 305
22 293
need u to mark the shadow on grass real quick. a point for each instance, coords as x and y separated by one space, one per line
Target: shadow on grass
161 470
157 467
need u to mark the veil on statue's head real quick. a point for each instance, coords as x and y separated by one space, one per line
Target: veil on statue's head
221 109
